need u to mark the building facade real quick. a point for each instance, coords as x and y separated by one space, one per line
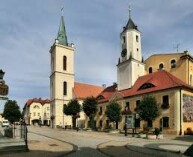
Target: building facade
37 111
167 77
63 87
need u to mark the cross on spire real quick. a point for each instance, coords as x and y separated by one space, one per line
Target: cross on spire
62 11
129 11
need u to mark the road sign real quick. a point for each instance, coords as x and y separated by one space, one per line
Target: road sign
4 89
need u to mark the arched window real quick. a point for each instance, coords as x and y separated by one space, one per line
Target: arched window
64 88
64 63
173 63
150 70
161 66
146 85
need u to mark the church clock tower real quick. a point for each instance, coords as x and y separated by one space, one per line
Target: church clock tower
130 65
62 77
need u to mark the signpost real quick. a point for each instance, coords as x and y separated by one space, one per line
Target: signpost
129 123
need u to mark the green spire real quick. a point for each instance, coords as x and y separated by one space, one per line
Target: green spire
131 25
62 38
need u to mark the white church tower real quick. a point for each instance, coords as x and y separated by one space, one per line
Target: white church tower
130 65
62 77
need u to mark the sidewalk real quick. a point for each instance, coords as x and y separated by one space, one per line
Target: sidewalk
43 146
137 146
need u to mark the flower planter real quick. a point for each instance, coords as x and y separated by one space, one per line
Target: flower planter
154 136
142 135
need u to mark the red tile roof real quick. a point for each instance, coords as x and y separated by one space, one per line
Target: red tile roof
41 101
81 90
161 80
107 93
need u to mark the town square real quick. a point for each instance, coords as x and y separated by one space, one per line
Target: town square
96 78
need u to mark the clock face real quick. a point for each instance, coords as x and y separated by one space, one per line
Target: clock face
124 53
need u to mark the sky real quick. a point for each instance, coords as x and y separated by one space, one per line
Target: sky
29 28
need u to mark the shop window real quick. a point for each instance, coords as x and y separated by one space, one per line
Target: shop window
173 63
166 122
150 123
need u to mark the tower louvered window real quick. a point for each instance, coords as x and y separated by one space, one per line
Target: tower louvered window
64 63
65 88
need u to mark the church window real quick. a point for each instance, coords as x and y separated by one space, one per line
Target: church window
166 122
146 85
191 79
161 66
150 70
124 39
64 63
137 49
137 38
173 63
64 88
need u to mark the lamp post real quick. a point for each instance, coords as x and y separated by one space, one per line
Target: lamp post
52 118
1 74
4 89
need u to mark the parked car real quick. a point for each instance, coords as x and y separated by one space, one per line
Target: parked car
5 123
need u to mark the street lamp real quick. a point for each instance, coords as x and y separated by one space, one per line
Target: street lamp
1 74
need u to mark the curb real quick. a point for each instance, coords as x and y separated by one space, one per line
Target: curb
75 147
102 151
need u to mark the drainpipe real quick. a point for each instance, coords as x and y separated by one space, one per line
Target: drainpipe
180 112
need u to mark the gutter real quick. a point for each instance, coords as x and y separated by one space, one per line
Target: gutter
180 112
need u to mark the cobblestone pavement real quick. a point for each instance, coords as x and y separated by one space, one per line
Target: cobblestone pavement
44 141
40 146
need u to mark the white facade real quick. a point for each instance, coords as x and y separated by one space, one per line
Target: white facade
59 75
36 110
130 65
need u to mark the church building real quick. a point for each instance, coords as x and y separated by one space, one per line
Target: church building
167 77
63 87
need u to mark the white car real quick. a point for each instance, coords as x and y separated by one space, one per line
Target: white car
5 123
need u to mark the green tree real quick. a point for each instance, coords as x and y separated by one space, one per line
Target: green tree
72 109
113 112
148 109
12 111
90 109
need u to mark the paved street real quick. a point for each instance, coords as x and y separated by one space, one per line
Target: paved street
44 141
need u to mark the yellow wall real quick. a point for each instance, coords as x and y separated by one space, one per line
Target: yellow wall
181 70
172 112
